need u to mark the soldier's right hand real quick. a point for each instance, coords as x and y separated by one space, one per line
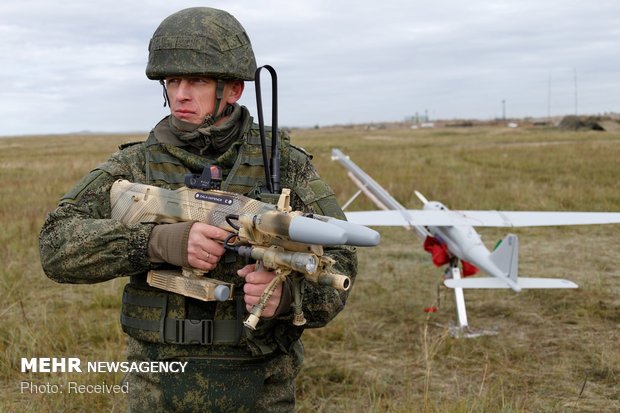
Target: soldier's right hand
204 246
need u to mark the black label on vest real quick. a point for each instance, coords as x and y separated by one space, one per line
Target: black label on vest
217 199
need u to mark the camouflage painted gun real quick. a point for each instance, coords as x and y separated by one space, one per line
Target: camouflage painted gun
285 241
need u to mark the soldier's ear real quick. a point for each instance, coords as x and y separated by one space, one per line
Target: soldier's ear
234 92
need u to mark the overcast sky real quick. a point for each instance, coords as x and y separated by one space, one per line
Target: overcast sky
76 65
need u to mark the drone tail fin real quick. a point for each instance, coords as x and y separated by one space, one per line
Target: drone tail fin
506 257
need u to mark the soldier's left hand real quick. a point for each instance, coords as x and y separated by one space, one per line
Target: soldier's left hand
255 284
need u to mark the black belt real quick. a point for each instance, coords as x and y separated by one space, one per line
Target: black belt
187 331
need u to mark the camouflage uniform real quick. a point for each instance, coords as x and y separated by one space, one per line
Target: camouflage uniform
79 243
229 368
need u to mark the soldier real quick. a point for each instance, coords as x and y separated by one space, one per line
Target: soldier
201 56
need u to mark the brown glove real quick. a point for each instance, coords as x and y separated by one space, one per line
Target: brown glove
168 243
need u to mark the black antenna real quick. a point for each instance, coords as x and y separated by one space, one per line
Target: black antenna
272 168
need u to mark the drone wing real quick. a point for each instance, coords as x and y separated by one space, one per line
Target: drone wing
482 218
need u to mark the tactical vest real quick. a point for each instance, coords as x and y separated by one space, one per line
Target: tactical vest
157 316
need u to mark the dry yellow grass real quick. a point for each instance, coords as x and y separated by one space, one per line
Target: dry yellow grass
555 350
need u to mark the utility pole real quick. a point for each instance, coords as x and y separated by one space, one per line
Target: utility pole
576 101
549 99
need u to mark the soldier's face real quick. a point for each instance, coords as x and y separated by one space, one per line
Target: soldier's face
193 98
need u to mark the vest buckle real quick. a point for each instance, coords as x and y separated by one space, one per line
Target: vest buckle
186 331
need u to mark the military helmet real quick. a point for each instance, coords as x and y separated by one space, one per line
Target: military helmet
201 41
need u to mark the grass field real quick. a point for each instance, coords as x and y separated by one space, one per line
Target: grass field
555 351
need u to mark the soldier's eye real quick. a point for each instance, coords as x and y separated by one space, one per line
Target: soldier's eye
198 80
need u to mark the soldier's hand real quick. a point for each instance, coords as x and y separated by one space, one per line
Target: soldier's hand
204 247
255 284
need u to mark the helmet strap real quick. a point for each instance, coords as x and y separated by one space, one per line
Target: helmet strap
166 99
219 94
